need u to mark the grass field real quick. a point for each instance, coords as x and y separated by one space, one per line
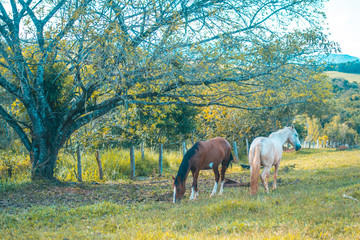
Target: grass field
351 77
317 198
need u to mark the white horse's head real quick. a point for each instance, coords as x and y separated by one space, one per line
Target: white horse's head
294 138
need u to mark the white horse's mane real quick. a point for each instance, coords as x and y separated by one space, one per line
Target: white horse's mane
279 131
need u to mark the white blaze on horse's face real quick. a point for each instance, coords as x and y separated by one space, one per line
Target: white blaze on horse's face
179 190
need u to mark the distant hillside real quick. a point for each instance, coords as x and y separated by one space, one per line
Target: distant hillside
342 63
351 77
340 58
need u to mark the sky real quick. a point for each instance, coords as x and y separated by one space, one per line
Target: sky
343 18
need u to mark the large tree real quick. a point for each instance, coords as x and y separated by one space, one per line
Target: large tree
70 62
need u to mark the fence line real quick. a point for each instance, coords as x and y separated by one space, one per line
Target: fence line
323 144
312 144
183 148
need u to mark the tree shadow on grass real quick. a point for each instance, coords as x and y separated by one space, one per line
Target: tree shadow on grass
26 195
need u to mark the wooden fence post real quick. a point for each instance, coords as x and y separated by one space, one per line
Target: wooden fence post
236 152
142 150
9 170
79 172
98 160
184 148
247 147
132 162
160 159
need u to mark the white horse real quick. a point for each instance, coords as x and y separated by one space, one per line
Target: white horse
267 152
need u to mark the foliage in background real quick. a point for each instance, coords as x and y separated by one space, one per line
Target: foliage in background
348 67
337 119
341 121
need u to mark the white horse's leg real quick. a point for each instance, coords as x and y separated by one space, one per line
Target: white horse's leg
222 187
265 178
275 175
214 189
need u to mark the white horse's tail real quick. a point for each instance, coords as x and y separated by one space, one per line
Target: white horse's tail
255 169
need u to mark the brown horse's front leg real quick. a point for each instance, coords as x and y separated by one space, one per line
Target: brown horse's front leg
194 190
217 175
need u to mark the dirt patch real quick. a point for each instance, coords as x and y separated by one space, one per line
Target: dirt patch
154 189
75 194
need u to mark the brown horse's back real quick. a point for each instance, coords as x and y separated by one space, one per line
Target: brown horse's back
213 152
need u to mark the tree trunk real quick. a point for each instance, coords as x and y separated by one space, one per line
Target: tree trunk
44 154
44 167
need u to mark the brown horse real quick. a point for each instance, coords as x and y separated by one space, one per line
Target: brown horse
203 155
267 152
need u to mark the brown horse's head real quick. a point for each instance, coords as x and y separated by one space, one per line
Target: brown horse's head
179 189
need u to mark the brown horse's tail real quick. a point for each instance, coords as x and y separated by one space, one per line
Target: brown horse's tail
254 158
231 160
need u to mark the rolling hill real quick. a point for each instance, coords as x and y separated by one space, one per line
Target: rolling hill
351 77
340 58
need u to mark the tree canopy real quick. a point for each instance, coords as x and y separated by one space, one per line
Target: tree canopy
69 62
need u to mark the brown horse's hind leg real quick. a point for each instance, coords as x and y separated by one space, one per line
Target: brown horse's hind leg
275 175
216 172
223 170
265 178
194 190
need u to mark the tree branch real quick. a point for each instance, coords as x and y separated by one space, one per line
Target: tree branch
11 88
24 139
304 100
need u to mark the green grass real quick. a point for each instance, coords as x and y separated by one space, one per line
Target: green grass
312 201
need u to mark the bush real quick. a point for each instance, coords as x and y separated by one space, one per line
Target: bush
14 166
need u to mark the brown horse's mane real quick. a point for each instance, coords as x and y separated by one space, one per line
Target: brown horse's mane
185 164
